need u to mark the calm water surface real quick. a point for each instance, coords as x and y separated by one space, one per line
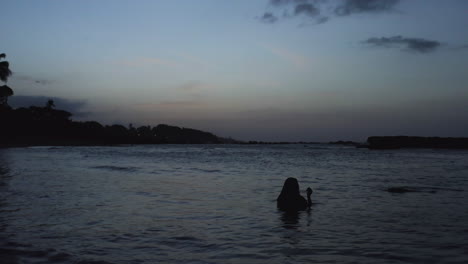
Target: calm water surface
216 204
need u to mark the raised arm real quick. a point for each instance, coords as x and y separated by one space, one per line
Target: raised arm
309 200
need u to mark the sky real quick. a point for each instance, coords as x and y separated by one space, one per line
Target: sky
271 70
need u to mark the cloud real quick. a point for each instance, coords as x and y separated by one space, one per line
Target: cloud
73 106
322 20
283 2
32 79
411 44
322 10
292 8
268 18
349 7
306 9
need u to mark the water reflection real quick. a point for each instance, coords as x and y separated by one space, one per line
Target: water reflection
5 255
4 169
294 235
290 219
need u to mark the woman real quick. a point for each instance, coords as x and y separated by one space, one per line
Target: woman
290 199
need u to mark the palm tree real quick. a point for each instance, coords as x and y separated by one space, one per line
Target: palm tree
4 69
5 72
50 104
5 92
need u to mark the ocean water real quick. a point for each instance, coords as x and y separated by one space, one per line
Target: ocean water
216 204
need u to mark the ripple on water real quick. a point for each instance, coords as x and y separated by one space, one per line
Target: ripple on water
217 205
117 168
13 253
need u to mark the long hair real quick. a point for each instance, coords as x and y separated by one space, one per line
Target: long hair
290 198
290 189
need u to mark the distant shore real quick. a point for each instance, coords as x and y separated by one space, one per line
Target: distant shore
396 142
399 142
46 126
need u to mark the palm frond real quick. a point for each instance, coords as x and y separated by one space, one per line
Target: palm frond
4 71
5 91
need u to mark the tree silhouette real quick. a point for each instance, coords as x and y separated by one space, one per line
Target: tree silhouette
50 104
5 72
5 92
4 69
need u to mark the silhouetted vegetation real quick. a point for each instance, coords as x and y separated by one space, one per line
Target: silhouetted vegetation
5 91
345 143
49 126
254 142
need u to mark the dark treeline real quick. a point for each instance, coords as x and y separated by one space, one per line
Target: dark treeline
254 142
48 126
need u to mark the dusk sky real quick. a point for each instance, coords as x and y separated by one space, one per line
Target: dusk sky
272 70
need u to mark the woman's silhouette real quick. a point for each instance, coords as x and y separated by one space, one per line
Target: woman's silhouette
290 199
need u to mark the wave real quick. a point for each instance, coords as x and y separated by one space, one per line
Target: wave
205 170
116 168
